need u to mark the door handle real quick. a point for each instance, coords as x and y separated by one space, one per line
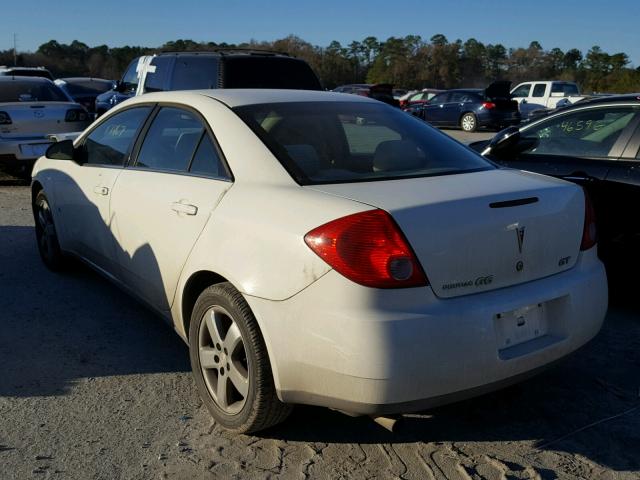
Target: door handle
185 208
101 190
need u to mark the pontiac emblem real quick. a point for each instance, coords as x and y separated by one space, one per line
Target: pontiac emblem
520 235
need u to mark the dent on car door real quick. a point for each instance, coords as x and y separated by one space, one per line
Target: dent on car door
87 187
161 203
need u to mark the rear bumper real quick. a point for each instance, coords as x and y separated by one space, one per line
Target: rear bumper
501 120
372 351
17 147
14 159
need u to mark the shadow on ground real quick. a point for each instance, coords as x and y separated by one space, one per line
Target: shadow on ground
58 328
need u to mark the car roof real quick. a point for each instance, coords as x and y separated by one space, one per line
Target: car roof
466 90
247 96
84 79
227 52
630 97
18 78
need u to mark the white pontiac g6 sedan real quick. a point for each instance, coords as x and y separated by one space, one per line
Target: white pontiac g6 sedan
324 249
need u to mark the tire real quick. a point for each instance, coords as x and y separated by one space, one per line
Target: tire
469 122
46 235
225 344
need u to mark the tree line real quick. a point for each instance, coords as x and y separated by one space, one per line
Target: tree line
409 62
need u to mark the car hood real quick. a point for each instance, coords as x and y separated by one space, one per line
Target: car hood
499 89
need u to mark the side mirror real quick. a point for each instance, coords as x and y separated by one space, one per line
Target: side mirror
503 141
64 150
509 142
119 86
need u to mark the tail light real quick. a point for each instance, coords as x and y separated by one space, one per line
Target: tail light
5 119
589 232
76 115
488 105
368 248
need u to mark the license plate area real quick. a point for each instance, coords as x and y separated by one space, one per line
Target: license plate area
521 325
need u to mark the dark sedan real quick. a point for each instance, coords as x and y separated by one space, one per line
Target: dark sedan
595 143
471 109
84 90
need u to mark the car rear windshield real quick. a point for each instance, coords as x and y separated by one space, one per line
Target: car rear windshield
18 72
340 142
21 91
269 72
568 89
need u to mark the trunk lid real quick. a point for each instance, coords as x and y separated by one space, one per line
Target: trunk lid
481 231
37 119
499 92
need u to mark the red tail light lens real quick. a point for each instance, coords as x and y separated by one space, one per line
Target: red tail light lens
368 248
589 232
489 105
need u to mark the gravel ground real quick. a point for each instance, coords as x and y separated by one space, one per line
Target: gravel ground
94 386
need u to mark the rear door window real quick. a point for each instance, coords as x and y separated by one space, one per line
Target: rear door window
171 140
538 90
206 160
585 133
111 141
441 98
157 74
195 72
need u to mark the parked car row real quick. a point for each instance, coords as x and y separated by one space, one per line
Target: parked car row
321 248
470 109
150 73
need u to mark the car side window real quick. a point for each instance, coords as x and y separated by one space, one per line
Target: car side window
522 91
456 97
442 98
206 160
589 133
130 77
194 73
156 77
171 140
538 90
110 142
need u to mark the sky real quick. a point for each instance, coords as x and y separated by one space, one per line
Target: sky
611 24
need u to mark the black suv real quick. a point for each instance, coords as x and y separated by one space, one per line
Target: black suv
205 70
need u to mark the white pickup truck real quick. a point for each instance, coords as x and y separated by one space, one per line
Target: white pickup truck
544 95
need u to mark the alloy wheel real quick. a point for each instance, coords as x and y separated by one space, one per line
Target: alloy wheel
45 230
468 123
223 360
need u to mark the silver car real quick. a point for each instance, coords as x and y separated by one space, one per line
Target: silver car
30 109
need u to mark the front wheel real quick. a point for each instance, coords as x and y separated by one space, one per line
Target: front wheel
468 122
46 235
230 362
